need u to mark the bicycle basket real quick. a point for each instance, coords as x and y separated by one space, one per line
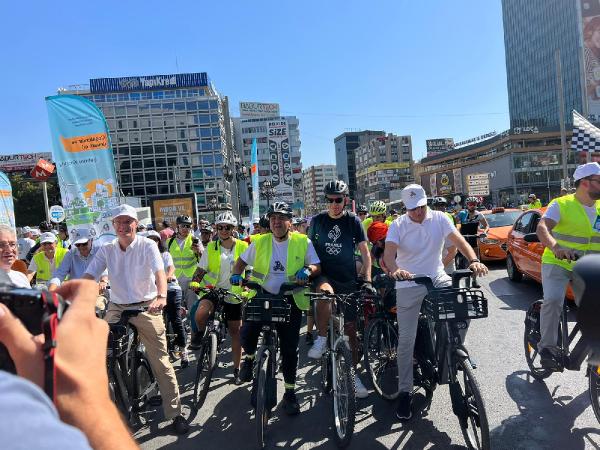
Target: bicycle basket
269 309
455 304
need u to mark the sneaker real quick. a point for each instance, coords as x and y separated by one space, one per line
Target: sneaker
403 410
180 425
318 348
290 403
310 340
361 390
548 360
246 370
196 342
236 377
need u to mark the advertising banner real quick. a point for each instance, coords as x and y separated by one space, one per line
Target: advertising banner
84 163
590 18
280 160
254 179
433 185
383 166
444 183
437 146
169 208
7 210
458 184
256 109
21 161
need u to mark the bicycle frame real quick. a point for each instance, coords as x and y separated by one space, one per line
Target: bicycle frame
572 359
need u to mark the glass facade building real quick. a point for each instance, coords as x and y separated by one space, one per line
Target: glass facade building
533 31
167 137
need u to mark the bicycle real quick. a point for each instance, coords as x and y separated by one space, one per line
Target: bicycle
567 358
210 347
130 378
171 335
337 367
440 354
268 310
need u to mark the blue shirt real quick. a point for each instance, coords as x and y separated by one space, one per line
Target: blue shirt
73 265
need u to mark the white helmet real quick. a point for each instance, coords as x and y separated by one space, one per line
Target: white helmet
226 218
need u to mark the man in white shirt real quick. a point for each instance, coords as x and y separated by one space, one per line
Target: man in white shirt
25 243
413 246
8 255
137 279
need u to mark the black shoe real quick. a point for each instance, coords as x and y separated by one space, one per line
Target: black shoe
253 396
196 341
310 340
548 360
180 425
290 404
404 408
236 377
246 370
184 362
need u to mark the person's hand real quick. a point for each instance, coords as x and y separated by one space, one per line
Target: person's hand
195 248
157 305
368 288
171 279
235 279
565 253
102 286
302 276
478 269
401 274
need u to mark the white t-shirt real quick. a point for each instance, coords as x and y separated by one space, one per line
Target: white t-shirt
420 245
226 266
25 245
19 279
278 271
553 212
167 260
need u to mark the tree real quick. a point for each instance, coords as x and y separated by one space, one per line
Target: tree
29 198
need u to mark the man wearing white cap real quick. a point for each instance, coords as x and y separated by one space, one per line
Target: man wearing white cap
25 243
45 262
138 280
8 255
569 229
414 245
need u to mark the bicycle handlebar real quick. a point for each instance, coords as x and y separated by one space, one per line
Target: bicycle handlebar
283 290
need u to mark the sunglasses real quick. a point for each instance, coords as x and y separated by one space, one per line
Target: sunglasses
418 208
81 245
335 200
362 213
184 225
224 227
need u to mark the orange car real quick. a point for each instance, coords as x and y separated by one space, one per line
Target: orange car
493 247
525 250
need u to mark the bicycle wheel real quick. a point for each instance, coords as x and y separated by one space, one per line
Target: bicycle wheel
207 358
531 338
594 383
380 357
144 378
262 411
344 394
116 395
473 423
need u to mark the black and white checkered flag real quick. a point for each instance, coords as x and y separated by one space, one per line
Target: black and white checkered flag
586 137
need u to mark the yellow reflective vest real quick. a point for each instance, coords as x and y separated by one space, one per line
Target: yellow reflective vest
296 253
184 260
211 277
44 272
574 230
535 205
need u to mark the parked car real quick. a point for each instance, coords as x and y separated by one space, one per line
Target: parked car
501 220
524 250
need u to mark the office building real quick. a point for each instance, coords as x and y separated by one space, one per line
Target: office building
345 147
169 136
314 180
383 163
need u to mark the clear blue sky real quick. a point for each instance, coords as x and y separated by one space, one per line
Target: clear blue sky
432 68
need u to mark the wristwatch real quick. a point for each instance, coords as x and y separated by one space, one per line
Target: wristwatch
474 260
161 296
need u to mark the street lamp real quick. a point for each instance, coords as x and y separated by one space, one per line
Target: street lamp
213 205
267 191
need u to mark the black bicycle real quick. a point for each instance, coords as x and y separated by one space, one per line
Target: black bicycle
130 379
211 344
268 310
440 356
171 334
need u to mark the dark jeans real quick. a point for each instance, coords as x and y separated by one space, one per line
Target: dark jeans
289 335
174 299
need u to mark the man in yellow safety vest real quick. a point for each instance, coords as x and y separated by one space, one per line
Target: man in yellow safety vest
569 229
184 249
45 262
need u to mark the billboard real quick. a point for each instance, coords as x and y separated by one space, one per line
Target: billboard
256 109
169 208
148 83
22 161
280 160
383 166
437 146
478 184
590 25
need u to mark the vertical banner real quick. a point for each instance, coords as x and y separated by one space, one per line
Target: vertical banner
280 160
590 24
458 184
433 185
84 163
254 178
7 210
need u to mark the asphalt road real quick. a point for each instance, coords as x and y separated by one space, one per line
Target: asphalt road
522 412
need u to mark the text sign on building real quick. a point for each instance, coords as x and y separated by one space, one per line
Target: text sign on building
280 160
478 184
169 208
590 25
256 109
21 161
147 83
436 146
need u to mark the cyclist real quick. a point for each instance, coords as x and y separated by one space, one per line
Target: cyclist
376 214
45 262
206 234
278 257
449 252
467 220
63 236
377 234
45 227
214 269
534 203
414 245
301 225
569 228
362 212
8 256
174 297
336 234
184 250
138 280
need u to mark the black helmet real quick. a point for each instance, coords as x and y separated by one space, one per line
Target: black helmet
336 187
440 201
45 226
362 209
264 222
63 227
183 220
280 208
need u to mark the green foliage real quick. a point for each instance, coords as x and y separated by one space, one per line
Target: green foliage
29 198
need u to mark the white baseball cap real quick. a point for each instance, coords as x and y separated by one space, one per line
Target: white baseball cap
586 170
26 230
81 236
47 237
35 232
152 233
125 210
414 196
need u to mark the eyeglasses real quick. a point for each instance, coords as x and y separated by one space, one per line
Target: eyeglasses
185 225
123 222
46 243
335 200
9 245
224 227
596 179
362 213
84 244
418 208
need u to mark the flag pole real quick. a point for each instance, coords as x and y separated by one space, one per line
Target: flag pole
561 109
46 206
